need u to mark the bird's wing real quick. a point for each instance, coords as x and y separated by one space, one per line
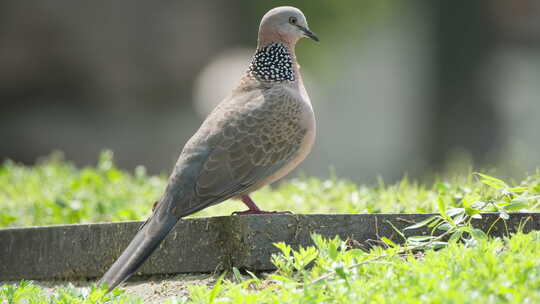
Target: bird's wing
245 140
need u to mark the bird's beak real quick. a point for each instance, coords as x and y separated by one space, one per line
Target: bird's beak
308 33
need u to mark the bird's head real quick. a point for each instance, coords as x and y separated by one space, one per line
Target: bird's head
285 24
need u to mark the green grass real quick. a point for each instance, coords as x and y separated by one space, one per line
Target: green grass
55 191
469 268
490 271
27 292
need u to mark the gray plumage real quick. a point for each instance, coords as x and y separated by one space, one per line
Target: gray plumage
255 136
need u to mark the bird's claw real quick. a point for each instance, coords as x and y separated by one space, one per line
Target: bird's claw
247 212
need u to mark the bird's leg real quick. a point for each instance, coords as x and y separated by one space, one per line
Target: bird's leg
253 209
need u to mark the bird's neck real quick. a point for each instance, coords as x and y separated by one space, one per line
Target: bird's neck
274 62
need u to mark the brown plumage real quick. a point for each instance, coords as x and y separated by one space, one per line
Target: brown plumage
255 136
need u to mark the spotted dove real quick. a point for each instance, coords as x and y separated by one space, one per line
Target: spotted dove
258 134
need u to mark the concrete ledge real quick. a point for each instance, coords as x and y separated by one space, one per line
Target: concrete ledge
202 244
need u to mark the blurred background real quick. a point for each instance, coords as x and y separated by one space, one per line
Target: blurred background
399 87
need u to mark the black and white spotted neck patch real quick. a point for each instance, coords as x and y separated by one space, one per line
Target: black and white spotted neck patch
272 63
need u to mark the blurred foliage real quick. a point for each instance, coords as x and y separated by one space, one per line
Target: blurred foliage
54 191
334 17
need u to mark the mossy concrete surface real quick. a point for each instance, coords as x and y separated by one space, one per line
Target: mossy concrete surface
205 244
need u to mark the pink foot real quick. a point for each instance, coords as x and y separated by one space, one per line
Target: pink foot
259 212
253 209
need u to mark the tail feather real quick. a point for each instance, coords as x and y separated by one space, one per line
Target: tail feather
141 247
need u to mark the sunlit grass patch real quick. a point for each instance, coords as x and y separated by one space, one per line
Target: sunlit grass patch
493 271
54 191
28 292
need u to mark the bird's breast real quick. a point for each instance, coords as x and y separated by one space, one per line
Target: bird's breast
307 122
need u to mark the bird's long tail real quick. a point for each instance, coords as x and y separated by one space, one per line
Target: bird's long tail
143 244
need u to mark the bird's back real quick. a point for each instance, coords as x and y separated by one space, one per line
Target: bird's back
247 139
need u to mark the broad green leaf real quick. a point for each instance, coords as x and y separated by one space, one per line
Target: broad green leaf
216 289
422 223
420 238
517 204
388 241
456 236
459 218
437 245
471 211
237 274
518 189
341 272
478 234
492 181
442 211
436 222
284 248
333 251
455 211
444 227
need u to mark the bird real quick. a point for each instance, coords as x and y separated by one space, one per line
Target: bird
259 133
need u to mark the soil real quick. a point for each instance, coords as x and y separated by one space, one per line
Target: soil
159 289
150 289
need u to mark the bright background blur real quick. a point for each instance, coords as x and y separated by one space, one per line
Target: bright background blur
399 87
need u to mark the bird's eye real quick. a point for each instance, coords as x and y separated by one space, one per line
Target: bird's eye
292 20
